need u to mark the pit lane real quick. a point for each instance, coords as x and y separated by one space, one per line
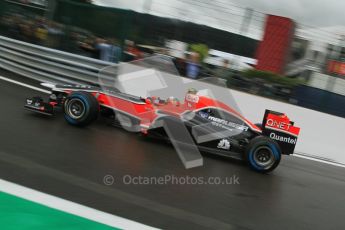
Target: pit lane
48 155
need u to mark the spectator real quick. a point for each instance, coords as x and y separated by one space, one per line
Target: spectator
193 66
41 34
132 52
98 48
180 64
107 50
223 71
54 34
104 49
115 54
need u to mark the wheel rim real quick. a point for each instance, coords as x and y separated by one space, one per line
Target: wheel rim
75 108
264 157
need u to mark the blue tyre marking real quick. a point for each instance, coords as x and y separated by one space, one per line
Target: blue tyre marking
70 120
86 104
275 151
252 161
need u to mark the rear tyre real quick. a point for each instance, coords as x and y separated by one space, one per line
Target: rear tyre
81 108
263 154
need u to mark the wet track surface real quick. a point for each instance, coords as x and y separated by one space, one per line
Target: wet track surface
49 155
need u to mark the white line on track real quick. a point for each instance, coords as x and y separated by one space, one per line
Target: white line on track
318 160
24 85
70 207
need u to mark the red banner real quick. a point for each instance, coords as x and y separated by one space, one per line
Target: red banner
336 67
274 49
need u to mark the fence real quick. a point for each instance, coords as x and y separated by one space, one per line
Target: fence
48 65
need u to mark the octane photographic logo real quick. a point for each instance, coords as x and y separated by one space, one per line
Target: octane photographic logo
170 179
108 180
152 77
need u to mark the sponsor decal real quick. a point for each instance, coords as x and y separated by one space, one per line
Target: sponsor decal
278 124
288 140
281 123
224 144
223 123
67 86
203 114
29 101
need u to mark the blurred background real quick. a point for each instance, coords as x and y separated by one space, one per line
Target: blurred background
239 47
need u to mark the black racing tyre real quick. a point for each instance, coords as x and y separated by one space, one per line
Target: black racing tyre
81 108
263 154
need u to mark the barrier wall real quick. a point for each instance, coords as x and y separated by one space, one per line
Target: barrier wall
320 100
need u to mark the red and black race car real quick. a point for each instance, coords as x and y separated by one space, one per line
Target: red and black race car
215 127
199 122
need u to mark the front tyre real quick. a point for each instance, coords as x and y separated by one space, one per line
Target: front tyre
81 108
263 154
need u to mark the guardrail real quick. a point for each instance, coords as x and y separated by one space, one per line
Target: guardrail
48 65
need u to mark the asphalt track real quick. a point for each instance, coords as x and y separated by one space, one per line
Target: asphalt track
48 155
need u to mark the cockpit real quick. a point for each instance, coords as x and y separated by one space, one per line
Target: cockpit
157 101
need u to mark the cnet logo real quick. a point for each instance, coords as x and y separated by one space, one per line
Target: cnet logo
278 124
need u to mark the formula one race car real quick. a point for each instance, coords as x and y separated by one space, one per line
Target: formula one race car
200 121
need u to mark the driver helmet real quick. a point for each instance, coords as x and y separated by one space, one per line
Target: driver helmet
192 91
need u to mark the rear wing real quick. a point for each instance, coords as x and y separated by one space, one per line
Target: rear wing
278 127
